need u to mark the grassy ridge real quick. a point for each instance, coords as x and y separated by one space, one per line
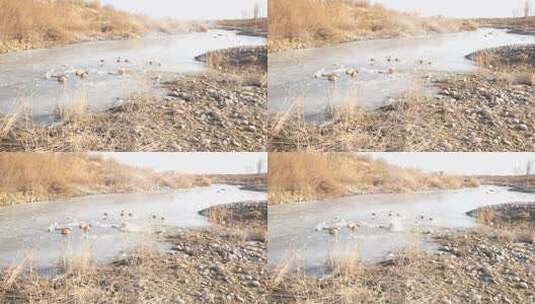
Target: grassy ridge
305 176
309 23
29 177
26 24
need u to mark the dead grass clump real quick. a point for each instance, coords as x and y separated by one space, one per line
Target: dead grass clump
513 64
75 112
304 23
248 65
31 23
525 78
486 215
527 236
347 126
305 176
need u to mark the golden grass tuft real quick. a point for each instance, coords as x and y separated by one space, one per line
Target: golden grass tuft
306 176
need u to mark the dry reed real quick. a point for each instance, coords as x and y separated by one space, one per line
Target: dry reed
305 176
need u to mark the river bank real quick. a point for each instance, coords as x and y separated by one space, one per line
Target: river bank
30 24
518 25
486 110
246 27
493 262
305 177
219 263
190 118
521 183
308 24
202 266
31 178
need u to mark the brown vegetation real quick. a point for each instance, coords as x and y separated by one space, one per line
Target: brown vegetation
515 64
205 266
248 63
465 259
26 24
480 112
30 177
306 176
308 23
207 112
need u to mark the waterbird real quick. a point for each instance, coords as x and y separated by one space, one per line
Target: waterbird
374 214
332 77
81 73
352 226
122 212
333 231
65 231
85 227
352 72
391 71
130 214
52 227
61 78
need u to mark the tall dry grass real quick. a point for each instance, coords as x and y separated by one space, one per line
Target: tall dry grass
36 23
303 23
305 176
37 176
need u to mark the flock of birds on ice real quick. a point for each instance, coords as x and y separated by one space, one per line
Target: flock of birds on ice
85 227
334 75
